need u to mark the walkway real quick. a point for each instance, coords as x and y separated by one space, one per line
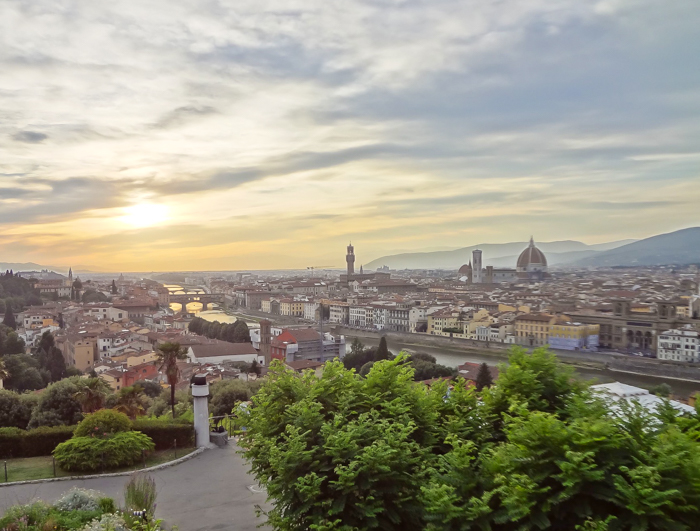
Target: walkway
208 492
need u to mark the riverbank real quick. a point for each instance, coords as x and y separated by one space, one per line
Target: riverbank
588 369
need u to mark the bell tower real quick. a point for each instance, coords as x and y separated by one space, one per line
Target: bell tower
350 259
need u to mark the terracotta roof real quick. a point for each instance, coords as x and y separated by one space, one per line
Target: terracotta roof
221 349
305 334
531 256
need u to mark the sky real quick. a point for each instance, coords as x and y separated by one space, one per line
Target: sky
265 134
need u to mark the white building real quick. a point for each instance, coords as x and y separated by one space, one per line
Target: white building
616 391
418 315
679 345
361 316
310 308
339 312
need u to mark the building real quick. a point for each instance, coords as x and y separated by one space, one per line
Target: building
339 312
532 264
306 344
574 336
360 277
616 392
218 352
477 274
532 330
305 365
679 345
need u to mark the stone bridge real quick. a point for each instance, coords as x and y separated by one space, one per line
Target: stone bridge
205 299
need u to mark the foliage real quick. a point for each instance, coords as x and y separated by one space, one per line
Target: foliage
87 454
364 370
57 405
537 451
356 347
237 332
357 360
168 356
662 390
103 423
483 377
14 344
91 295
165 433
15 409
77 499
424 370
25 515
140 494
382 352
91 393
107 522
131 401
151 389
50 358
31 443
9 319
227 393
23 373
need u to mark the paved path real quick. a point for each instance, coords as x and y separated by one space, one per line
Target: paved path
210 491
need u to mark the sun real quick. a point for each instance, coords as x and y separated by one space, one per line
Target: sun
144 215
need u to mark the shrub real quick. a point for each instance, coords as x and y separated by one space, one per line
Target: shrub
103 423
226 394
107 522
87 454
14 411
140 494
79 500
164 432
32 443
24 516
57 405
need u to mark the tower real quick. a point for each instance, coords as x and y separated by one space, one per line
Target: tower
70 276
476 266
265 340
350 259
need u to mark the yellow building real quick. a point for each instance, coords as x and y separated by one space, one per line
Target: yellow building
442 319
574 336
532 330
80 353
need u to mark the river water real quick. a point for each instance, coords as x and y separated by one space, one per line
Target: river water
195 307
681 388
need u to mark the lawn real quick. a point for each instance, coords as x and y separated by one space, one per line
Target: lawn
43 467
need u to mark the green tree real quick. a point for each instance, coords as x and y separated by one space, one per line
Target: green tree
114 288
91 394
168 356
9 319
56 364
131 401
663 390
241 333
227 394
483 377
382 352
22 373
152 389
14 344
14 411
356 361
356 347
57 405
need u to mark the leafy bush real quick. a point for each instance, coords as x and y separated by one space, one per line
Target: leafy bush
103 423
165 432
140 494
226 394
27 515
32 443
15 411
108 522
87 454
57 405
79 500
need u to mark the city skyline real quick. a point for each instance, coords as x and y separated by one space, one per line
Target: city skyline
245 136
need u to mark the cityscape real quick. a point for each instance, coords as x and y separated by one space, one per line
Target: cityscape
358 266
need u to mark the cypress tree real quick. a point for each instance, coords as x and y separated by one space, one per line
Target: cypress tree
483 377
382 352
9 319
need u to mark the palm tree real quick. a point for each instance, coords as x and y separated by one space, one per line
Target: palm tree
168 354
91 394
4 375
131 402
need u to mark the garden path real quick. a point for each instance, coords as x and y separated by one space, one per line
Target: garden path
208 492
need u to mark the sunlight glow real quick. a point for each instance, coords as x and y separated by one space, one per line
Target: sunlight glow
144 215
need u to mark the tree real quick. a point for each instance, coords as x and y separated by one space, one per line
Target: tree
356 361
255 368
131 401
22 373
168 355
483 377
537 451
114 288
15 411
56 364
9 319
382 352
356 347
151 389
91 394
14 344
241 333
663 390
57 405
227 394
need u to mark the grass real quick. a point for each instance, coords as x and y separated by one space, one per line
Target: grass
29 468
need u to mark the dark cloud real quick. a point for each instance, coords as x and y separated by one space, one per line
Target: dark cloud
29 137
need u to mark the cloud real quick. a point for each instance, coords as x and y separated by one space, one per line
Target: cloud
405 124
29 137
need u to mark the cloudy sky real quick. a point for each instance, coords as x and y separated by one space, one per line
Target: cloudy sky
168 135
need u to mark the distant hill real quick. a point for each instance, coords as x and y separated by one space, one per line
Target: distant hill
681 247
31 266
495 254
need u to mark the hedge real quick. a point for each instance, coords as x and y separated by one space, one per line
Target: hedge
32 443
42 441
164 432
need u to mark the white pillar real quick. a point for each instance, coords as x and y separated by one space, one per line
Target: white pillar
200 394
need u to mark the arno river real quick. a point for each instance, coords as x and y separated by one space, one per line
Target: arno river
195 307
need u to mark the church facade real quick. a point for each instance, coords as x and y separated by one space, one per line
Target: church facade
530 267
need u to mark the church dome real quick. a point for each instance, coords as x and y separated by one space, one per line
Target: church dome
531 256
465 269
